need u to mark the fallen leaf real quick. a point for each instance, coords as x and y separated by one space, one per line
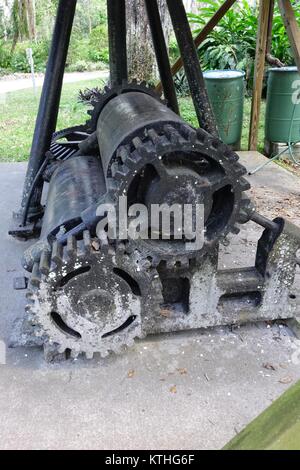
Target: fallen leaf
131 374
269 366
173 389
286 380
96 245
165 312
182 371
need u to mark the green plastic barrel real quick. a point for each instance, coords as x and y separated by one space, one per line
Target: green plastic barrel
281 110
226 93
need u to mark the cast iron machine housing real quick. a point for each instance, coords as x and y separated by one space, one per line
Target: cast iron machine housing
92 293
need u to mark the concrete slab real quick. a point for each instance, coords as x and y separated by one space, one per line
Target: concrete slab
185 391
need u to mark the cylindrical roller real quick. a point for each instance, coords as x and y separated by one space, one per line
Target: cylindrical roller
127 116
77 184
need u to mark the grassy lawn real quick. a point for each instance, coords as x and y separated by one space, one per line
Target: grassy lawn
18 113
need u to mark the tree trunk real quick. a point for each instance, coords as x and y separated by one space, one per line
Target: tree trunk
30 12
141 58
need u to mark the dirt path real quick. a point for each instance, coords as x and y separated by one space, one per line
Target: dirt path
7 86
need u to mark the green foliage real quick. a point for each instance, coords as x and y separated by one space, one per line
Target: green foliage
98 44
89 42
232 44
5 56
281 47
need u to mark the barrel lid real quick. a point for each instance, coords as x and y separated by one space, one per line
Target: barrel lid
283 69
223 74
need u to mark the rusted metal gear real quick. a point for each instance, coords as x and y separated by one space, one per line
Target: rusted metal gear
88 298
101 99
182 166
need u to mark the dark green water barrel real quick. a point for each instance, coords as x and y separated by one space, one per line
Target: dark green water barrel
226 93
282 88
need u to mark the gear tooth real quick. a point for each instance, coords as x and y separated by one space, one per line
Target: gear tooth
121 248
224 241
104 354
137 142
38 332
244 184
87 240
230 155
114 169
153 135
130 343
107 89
119 172
190 134
202 135
36 277
89 355
111 185
45 262
61 349
74 353
90 112
28 309
170 263
123 153
173 135
71 245
235 230
57 253
93 103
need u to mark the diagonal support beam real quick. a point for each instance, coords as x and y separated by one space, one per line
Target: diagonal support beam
261 50
292 28
192 66
202 35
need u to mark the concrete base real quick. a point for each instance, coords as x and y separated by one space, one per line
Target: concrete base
180 391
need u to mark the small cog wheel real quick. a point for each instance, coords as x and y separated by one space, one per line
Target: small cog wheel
88 298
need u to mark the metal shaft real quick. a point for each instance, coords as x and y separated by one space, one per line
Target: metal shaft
192 66
49 103
116 13
162 55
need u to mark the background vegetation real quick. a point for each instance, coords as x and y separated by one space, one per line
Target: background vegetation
231 45
89 42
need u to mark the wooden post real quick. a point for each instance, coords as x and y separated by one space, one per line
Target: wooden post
292 28
202 35
261 49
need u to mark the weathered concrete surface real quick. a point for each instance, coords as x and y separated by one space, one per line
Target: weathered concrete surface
185 391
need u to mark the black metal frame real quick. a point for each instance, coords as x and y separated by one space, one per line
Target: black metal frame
51 93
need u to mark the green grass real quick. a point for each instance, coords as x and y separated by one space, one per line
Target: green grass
19 112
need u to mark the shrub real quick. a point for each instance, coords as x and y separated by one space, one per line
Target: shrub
5 56
232 44
98 44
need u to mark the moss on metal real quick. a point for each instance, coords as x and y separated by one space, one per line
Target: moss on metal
278 428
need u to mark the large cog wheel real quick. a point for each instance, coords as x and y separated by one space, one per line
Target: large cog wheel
88 298
101 99
192 163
